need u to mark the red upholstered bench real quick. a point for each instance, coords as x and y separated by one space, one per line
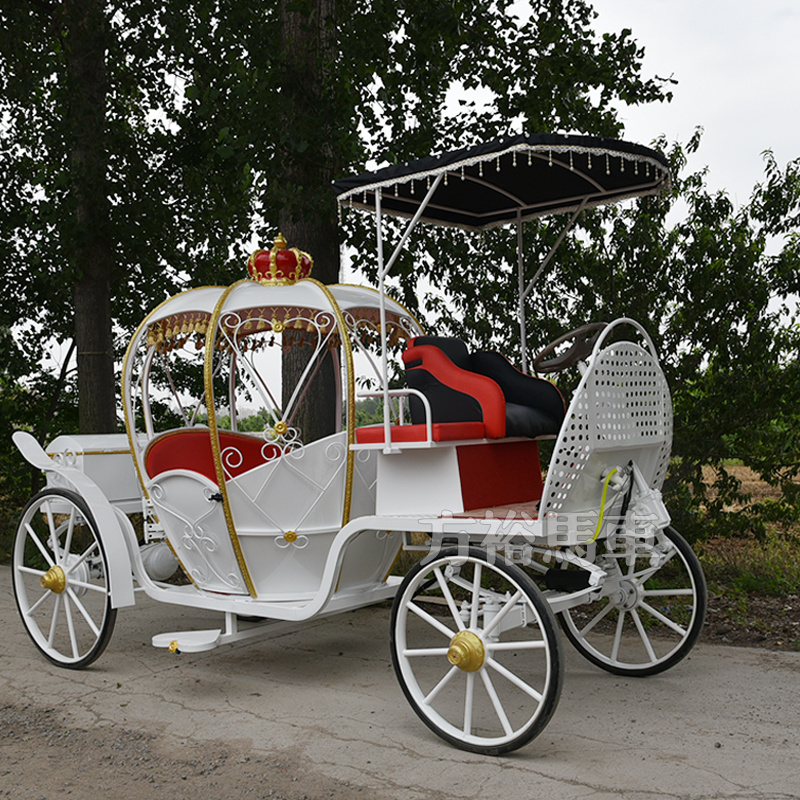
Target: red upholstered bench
440 432
191 449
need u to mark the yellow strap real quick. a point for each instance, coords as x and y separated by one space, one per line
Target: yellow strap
603 503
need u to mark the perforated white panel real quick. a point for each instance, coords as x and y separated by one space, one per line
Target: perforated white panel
621 411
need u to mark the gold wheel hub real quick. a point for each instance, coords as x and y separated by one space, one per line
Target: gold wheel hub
54 579
466 651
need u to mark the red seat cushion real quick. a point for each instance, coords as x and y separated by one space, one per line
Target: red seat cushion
191 449
440 431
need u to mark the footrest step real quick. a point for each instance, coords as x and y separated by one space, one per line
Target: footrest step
188 641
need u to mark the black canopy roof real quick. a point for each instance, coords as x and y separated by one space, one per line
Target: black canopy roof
523 177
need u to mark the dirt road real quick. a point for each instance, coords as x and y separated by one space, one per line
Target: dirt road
318 714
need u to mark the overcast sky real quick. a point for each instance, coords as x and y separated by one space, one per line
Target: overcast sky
736 63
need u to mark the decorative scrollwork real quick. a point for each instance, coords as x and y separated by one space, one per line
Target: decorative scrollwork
335 451
66 458
231 458
286 439
291 539
197 543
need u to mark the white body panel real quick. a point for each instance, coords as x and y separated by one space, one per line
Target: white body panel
104 458
419 481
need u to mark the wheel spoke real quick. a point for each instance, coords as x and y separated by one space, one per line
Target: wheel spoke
51 527
476 596
31 571
425 651
469 697
531 644
668 592
71 627
68 539
510 603
643 636
448 596
431 620
583 631
54 621
618 635
93 587
661 618
84 613
515 679
498 706
42 549
40 601
649 571
83 556
448 676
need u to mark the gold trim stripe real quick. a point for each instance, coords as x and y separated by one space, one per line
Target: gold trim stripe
213 431
130 424
351 396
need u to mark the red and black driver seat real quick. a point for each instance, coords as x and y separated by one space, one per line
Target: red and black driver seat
483 386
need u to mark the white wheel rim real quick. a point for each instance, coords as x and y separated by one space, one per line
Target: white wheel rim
67 622
637 626
501 700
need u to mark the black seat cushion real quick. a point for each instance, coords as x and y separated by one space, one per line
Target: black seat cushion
530 422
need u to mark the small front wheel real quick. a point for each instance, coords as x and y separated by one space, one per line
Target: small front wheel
61 579
651 609
476 651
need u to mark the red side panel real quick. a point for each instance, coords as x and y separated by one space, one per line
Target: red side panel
499 473
191 449
441 432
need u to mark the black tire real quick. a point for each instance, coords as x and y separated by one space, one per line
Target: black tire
72 622
521 664
624 632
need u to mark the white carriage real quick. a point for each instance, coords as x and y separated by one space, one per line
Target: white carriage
265 526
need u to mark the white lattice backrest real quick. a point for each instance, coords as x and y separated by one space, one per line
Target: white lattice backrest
620 412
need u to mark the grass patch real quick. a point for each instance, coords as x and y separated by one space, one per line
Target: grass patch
745 565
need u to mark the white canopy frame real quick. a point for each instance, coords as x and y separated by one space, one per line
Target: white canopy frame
493 192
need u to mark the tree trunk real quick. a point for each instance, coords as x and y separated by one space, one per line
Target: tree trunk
308 220
85 52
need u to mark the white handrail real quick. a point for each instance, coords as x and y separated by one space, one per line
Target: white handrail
406 393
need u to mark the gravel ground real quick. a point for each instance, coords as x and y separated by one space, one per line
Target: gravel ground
771 623
42 758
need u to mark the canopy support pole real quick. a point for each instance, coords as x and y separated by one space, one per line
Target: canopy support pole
523 333
383 271
387 436
414 220
553 249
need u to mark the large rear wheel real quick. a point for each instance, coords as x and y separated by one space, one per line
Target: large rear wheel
61 579
651 610
476 651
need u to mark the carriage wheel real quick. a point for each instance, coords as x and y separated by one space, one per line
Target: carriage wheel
476 650
61 579
650 613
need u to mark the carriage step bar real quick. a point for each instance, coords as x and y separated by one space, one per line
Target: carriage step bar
205 640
